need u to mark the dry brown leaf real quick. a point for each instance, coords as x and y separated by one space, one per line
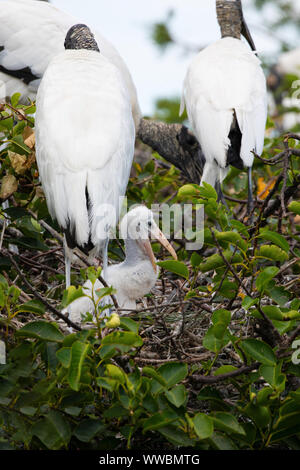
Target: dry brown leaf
21 163
18 162
29 137
8 186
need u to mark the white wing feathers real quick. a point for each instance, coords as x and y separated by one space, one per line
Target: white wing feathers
223 78
32 33
85 139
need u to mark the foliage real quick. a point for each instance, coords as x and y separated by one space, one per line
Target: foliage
237 297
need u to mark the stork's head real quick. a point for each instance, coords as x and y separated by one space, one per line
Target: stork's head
81 37
137 228
232 21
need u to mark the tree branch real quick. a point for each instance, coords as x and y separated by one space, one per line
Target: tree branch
176 144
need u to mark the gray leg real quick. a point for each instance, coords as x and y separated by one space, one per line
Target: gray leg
250 205
68 271
221 197
105 259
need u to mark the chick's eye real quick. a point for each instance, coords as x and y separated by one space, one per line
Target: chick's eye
149 224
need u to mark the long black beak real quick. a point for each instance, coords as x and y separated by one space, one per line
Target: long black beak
247 35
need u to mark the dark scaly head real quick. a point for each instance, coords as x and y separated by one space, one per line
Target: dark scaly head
81 37
232 21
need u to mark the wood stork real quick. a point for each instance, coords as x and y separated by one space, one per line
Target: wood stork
137 275
84 142
226 99
32 33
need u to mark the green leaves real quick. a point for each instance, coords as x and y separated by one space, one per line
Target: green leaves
203 426
216 261
79 352
274 237
259 351
41 330
53 430
218 335
273 253
265 277
175 267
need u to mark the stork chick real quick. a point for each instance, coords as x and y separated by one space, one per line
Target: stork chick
137 275
226 99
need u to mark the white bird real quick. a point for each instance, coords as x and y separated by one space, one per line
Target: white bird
226 99
32 33
85 139
134 277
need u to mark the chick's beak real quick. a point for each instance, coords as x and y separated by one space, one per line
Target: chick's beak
147 248
159 236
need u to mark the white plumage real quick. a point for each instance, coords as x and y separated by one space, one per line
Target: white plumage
137 275
225 81
84 144
32 33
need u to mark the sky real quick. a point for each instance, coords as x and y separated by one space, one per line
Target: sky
127 24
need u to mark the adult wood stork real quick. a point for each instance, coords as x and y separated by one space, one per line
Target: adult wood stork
32 33
84 142
137 275
226 99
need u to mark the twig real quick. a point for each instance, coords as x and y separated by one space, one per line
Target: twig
204 379
39 297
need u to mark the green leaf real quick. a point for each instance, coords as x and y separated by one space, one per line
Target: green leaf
232 237
259 351
71 294
175 267
88 429
33 306
274 237
176 436
270 374
294 206
151 372
203 425
177 395
64 356
216 337
115 373
173 372
265 277
188 191
41 330
225 369
79 352
207 191
273 253
129 324
216 261
15 99
159 420
119 341
53 430
228 423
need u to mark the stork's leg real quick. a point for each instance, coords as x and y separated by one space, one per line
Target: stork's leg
105 259
221 197
106 300
68 270
250 204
